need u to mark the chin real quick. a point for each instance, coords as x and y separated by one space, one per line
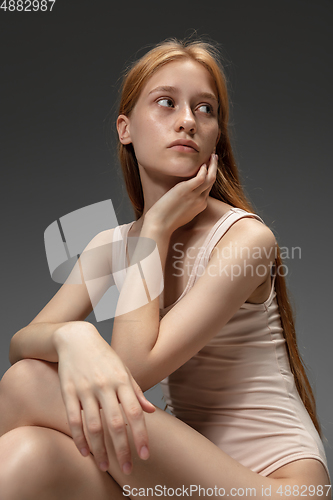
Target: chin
172 169
186 169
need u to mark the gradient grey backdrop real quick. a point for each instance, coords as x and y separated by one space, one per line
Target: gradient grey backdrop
58 88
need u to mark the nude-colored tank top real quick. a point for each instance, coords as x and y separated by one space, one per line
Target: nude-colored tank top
238 390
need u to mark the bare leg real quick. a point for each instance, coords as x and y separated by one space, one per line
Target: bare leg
37 463
180 457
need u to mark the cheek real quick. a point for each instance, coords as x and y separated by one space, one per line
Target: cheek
211 136
144 143
147 135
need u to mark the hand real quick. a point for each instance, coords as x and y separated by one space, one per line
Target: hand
93 377
185 200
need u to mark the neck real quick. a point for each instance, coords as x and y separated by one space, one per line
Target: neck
154 186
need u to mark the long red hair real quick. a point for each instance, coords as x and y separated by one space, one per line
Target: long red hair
227 186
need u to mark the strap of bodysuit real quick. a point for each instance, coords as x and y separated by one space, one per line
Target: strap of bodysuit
217 232
220 228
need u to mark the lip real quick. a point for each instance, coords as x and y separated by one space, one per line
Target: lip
185 142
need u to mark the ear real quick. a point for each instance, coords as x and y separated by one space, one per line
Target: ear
123 128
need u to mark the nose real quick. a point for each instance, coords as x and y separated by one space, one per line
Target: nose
185 120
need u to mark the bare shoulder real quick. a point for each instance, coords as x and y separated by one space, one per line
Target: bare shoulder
102 238
248 249
249 232
99 248
81 291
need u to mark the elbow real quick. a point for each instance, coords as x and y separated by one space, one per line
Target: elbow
141 363
13 349
134 359
11 356
145 373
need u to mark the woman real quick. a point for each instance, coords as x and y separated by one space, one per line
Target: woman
223 345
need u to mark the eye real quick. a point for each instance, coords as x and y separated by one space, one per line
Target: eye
165 102
206 108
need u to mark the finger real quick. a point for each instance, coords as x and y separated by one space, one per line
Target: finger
117 429
146 405
213 159
197 180
210 177
95 434
212 168
136 420
74 416
212 171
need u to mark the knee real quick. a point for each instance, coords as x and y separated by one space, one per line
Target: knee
22 387
24 377
25 463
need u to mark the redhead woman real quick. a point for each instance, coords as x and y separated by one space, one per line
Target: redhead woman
216 329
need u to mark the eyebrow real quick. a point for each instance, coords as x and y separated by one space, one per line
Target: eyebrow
206 95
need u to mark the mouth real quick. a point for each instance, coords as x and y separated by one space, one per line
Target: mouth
184 146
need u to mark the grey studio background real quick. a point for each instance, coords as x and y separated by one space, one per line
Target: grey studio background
58 89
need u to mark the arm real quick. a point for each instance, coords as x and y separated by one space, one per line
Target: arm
136 329
153 350
91 374
127 330
36 341
72 303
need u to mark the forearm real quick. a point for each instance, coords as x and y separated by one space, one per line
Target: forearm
135 332
39 341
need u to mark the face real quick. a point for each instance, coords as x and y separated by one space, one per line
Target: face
174 124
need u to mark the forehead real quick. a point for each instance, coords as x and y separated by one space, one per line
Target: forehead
182 75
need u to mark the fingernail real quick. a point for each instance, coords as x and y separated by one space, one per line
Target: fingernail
127 467
84 452
216 157
144 453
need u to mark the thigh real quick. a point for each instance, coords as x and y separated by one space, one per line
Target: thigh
313 473
30 392
180 457
184 463
37 462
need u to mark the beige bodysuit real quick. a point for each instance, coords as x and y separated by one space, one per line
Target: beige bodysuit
238 390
